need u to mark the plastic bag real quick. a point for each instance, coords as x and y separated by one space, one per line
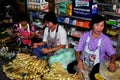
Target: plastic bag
64 56
106 74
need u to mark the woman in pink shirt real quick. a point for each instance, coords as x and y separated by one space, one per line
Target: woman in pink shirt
24 30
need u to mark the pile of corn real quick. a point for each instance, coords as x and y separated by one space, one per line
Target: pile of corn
25 67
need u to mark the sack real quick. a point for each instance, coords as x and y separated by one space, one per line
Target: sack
63 56
106 74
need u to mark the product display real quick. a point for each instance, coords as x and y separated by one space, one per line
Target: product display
84 8
40 5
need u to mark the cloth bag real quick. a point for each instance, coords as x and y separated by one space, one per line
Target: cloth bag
37 51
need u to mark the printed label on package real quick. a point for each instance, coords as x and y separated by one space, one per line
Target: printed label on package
79 3
84 8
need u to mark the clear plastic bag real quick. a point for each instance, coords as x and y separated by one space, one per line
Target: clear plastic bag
106 74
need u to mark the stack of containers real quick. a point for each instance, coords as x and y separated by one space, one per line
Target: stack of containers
69 8
41 5
63 7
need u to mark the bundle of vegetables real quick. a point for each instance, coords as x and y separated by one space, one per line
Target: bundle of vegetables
57 72
25 67
3 32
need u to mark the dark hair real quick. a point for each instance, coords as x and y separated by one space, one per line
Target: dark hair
96 19
50 17
23 16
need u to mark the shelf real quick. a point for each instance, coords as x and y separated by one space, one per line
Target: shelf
73 25
35 3
76 37
109 13
36 10
76 17
105 4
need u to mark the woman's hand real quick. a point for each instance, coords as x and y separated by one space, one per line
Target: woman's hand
32 34
112 66
35 45
45 50
18 34
80 66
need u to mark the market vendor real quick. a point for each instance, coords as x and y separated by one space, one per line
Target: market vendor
54 38
94 47
23 31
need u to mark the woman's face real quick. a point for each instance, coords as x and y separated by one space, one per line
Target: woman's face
23 23
98 27
49 24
